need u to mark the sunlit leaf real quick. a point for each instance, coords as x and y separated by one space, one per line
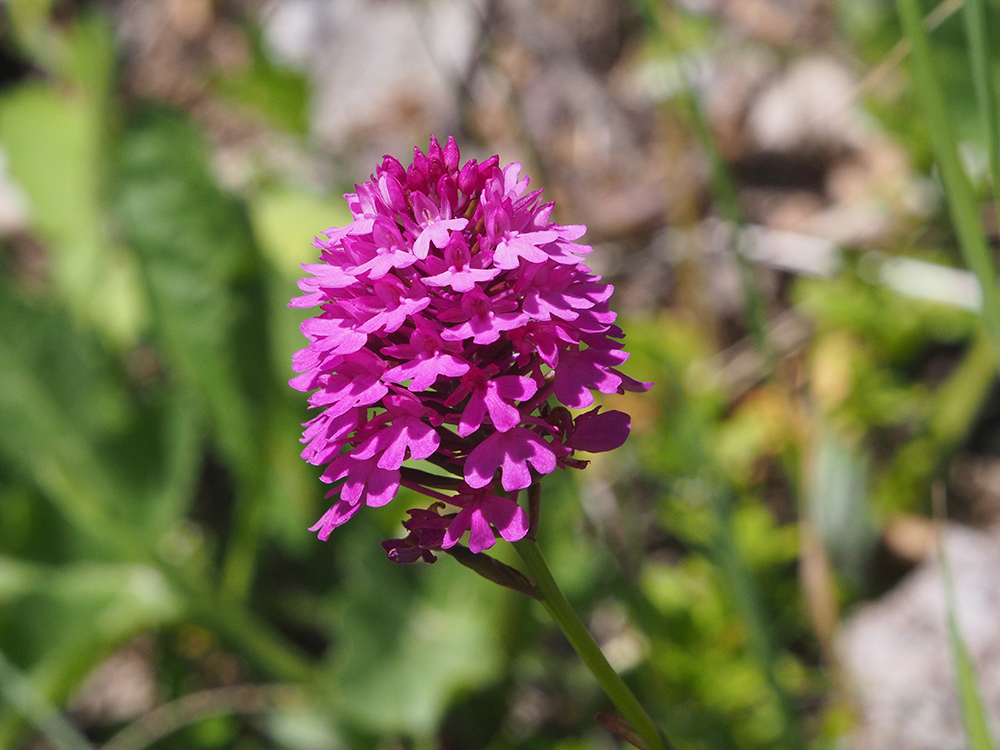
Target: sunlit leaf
278 93
66 421
199 263
53 143
406 646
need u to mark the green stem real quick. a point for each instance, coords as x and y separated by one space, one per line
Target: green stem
977 32
745 594
18 690
724 190
975 719
240 562
961 199
234 622
576 633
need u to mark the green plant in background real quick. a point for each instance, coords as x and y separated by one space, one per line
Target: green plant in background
728 602
976 252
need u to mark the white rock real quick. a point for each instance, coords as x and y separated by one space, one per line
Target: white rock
810 106
896 654
383 73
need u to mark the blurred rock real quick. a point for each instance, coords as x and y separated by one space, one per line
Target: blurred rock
384 74
598 149
909 538
593 32
779 22
810 107
896 655
975 484
164 44
728 89
806 156
121 688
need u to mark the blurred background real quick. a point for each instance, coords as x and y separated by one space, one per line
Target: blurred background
759 560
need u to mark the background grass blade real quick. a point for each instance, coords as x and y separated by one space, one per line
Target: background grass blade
977 33
975 719
961 200
723 188
17 690
974 716
975 250
202 268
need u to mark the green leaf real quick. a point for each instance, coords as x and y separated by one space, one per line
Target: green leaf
52 139
42 632
975 718
961 201
409 643
66 422
114 599
199 262
285 221
209 300
281 95
30 24
836 496
17 579
977 33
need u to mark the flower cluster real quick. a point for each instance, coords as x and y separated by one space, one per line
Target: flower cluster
453 313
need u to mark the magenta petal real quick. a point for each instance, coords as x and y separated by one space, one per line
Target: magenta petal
483 462
425 369
395 452
382 487
458 526
503 415
507 516
631 384
516 387
422 439
581 371
337 515
512 451
500 392
473 414
334 335
392 443
326 435
367 481
529 448
480 511
508 253
481 536
596 432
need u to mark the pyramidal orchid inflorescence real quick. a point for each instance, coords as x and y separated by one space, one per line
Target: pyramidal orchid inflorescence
457 323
